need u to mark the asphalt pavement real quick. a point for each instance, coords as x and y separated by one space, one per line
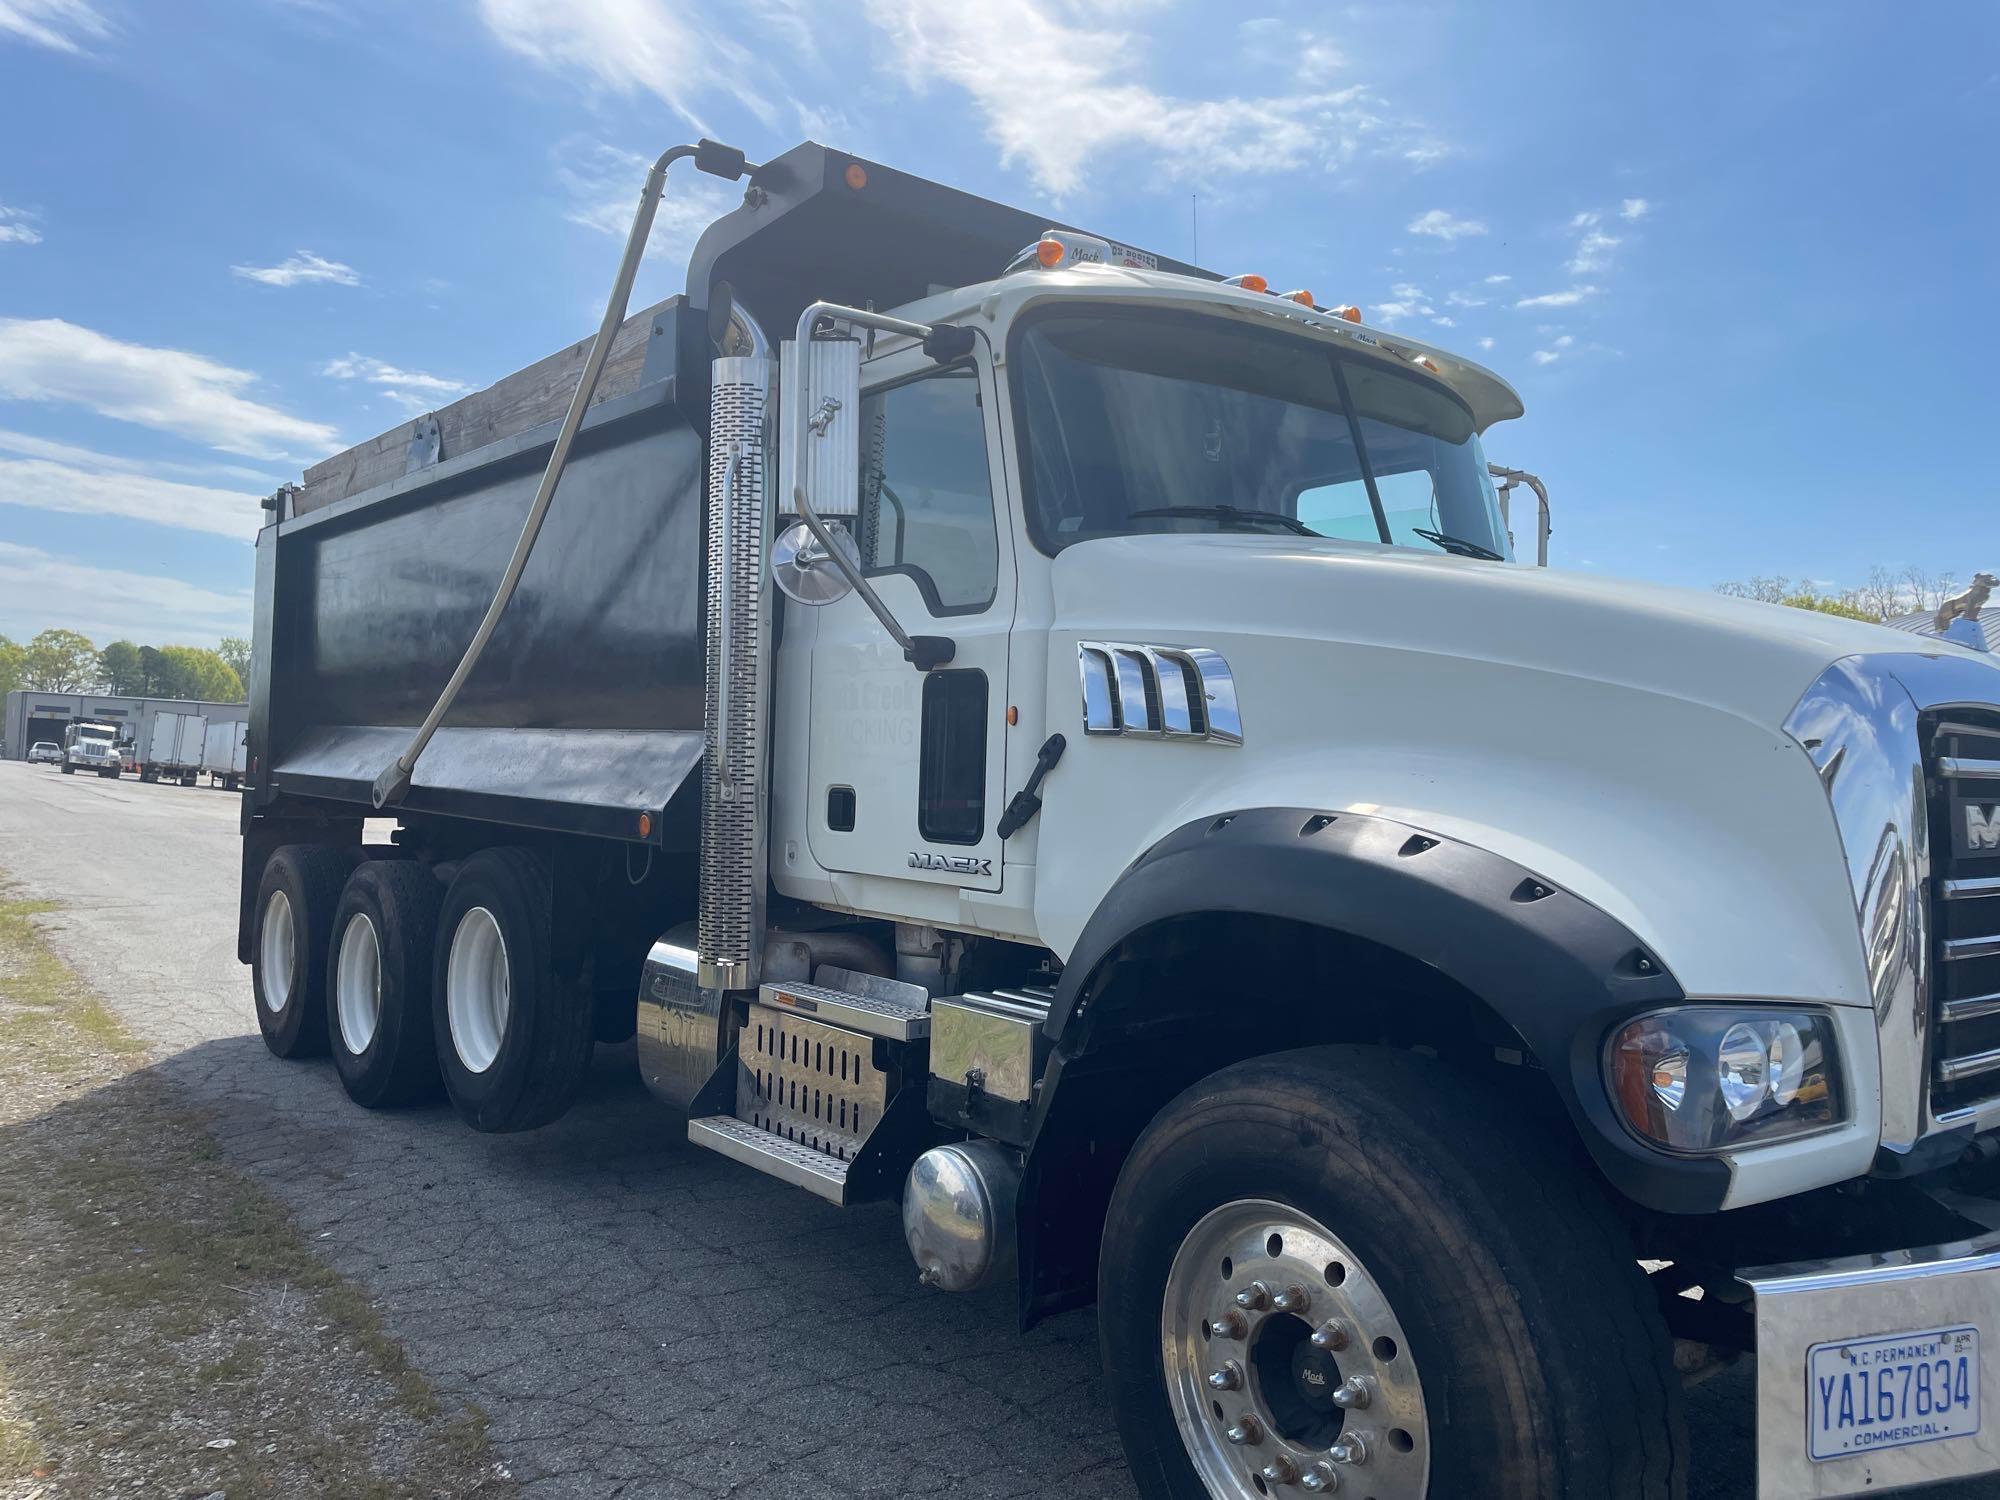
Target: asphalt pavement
637 1317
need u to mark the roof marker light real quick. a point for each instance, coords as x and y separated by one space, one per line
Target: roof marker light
1250 283
1349 313
1050 251
1302 297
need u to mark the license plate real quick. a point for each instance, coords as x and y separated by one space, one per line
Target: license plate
1864 1395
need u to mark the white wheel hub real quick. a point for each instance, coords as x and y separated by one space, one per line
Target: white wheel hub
477 989
1286 1368
357 984
276 951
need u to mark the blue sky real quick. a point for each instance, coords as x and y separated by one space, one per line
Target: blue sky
1739 259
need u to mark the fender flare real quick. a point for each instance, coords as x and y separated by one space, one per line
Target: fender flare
1560 971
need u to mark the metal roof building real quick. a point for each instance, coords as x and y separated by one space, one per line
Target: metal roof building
1988 624
33 716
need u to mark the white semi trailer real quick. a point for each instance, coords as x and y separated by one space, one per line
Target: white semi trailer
1054 737
225 752
174 748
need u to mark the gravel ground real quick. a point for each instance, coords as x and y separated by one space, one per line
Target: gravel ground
635 1316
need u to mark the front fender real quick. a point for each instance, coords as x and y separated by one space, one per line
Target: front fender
1558 970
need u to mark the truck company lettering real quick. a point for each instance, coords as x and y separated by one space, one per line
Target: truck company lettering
958 864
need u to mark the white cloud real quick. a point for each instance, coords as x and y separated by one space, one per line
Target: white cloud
1464 299
603 182
1486 343
47 359
1634 208
1441 225
17 225
1585 219
1404 301
1445 321
1546 356
1499 278
412 390
64 25
28 445
39 589
1565 341
1058 92
301 268
1269 42
634 46
1593 252
1568 298
116 491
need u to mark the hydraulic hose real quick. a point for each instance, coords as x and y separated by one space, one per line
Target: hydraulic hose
711 157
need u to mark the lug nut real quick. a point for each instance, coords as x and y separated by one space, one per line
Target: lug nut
1254 1297
1228 1378
1350 1448
1293 1299
1227 1325
1353 1393
1248 1430
1321 1479
1330 1337
1281 1470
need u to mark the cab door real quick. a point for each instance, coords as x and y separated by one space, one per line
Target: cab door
906 768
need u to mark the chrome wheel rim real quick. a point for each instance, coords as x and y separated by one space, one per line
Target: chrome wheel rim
276 952
1287 1369
357 984
478 990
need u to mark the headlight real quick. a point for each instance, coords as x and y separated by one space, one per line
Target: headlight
1710 1077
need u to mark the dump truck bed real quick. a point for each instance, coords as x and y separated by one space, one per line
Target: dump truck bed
586 710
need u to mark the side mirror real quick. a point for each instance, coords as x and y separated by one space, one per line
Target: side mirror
825 390
805 571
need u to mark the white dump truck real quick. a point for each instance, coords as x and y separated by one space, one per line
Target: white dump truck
1058 738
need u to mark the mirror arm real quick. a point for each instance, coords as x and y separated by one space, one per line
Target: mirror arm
922 652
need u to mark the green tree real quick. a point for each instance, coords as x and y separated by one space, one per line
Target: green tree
153 672
13 663
234 650
60 661
123 671
191 672
1827 604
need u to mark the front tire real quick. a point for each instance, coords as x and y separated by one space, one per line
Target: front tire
295 906
378 991
1496 1336
513 1041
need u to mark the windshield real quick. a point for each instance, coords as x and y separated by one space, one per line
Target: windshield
1164 422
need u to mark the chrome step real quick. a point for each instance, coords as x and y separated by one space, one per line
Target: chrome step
858 1002
801 1166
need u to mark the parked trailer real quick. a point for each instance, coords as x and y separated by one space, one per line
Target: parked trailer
1070 755
225 752
174 752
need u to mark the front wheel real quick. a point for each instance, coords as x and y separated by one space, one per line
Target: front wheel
1355 1270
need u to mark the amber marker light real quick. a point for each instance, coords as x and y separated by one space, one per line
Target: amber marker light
1050 252
856 176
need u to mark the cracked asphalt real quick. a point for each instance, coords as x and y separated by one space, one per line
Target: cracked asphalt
638 1317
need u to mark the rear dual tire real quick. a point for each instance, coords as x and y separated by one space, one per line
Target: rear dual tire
514 1041
378 998
296 901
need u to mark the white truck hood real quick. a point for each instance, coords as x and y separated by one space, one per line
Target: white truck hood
1622 739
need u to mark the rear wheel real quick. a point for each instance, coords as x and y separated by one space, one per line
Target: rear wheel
513 1041
68 769
1357 1270
379 984
295 906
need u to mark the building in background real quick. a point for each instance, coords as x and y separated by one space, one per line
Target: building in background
33 716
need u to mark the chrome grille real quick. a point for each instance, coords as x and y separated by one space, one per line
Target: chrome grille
1963 771
733 795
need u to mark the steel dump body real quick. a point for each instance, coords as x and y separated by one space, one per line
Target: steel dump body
585 712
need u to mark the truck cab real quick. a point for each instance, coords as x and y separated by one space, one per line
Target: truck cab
91 747
1023 728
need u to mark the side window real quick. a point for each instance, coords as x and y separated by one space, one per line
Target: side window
926 494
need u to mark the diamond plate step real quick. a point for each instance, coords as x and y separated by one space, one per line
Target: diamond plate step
900 1012
801 1166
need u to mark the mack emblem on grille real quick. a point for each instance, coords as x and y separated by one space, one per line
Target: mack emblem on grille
1982 826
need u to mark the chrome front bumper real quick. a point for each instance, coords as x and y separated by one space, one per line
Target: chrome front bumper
1856 1299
